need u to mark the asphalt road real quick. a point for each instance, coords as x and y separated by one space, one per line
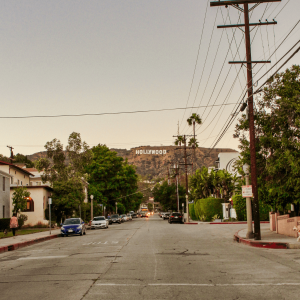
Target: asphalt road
150 259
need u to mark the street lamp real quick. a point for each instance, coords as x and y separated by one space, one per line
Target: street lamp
116 207
92 212
249 234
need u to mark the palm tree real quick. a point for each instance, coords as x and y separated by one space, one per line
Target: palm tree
193 120
193 142
180 139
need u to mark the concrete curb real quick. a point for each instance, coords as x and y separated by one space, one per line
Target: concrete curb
258 244
16 246
230 223
190 223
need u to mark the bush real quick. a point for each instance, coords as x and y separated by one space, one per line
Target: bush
239 204
21 220
192 211
207 208
4 224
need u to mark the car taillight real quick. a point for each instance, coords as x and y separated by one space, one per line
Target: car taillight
179 216
172 216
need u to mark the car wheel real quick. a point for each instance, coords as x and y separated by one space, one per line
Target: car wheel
84 232
67 235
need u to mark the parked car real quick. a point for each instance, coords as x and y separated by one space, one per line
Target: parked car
129 217
124 217
73 226
166 216
133 214
109 220
116 219
99 222
175 217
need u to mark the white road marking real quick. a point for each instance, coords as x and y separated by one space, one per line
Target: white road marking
97 243
201 284
42 257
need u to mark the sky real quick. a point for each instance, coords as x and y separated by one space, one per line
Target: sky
102 56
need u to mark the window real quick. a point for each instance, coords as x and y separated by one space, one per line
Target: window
18 181
30 204
15 172
11 180
24 176
3 184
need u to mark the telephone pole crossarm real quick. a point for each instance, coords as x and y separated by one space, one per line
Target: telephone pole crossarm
250 62
243 25
235 2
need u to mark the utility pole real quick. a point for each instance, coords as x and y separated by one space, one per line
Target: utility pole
184 140
11 154
176 168
248 63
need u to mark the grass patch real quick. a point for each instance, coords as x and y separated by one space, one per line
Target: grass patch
23 232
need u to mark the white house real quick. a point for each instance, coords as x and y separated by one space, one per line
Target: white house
5 179
226 161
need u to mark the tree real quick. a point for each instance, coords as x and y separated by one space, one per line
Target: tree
19 199
150 206
167 196
192 121
277 129
65 170
221 183
111 179
20 158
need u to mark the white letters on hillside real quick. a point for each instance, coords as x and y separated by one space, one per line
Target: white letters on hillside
145 151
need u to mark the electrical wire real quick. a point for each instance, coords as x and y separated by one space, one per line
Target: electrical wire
196 60
102 114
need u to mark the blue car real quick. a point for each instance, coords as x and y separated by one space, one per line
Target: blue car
73 226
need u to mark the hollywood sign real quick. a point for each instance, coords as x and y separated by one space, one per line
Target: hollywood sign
151 152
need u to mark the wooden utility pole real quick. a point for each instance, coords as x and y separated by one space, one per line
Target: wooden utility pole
184 140
11 154
248 63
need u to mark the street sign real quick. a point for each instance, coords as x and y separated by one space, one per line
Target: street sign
49 200
247 191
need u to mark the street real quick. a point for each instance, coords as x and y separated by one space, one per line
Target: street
150 259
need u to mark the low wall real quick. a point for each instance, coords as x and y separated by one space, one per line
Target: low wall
285 225
272 221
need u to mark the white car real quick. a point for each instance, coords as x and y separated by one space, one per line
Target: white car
129 217
99 222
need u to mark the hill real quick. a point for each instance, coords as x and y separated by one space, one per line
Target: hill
153 162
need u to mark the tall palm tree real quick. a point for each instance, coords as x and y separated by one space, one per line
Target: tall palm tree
180 140
192 121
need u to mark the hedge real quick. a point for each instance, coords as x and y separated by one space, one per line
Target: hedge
192 211
239 203
208 208
4 224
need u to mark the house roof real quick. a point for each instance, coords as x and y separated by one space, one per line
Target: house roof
31 169
3 163
28 187
5 174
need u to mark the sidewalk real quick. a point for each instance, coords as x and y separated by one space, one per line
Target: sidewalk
20 241
269 239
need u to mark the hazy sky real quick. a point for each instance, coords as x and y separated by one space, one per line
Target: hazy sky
95 56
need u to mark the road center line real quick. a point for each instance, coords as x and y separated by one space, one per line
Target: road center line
41 257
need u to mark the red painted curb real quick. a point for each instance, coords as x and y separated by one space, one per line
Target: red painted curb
223 223
258 244
3 249
27 243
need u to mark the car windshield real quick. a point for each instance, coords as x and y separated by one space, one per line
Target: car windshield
72 221
115 216
176 214
123 215
99 219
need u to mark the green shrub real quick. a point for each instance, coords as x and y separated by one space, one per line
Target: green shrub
207 208
4 224
21 220
192 211
239 204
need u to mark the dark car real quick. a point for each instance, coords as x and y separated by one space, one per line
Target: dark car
73 226
116 219
175 218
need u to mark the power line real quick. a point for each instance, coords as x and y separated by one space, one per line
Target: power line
196 59
111 113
